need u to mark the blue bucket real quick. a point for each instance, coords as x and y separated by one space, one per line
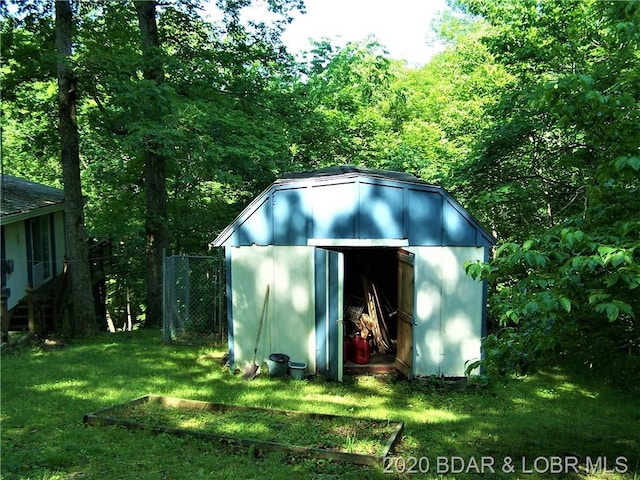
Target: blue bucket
277 364
297 370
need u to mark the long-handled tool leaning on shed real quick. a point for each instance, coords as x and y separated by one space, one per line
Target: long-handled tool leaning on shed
251 371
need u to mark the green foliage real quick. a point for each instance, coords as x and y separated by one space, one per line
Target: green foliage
223 118
563 185
234 112
347 92
446 106
567 294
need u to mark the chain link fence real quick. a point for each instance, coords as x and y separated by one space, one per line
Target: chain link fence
195 299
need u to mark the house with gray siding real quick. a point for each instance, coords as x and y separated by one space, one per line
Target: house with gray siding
32 237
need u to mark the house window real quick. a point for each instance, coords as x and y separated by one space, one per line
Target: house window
41 250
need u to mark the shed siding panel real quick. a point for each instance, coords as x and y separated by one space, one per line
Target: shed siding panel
360 208
458 229
292 326
427 310
448 310
381 211
335 211
462 301
291 212
251 271
425 217
257 228
289 320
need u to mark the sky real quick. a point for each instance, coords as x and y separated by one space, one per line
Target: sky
402 26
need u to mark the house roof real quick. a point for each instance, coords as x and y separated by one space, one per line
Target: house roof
22 199
353 206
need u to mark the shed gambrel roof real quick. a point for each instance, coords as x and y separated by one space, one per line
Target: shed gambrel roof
352 206
22 199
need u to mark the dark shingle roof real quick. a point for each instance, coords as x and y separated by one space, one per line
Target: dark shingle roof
20 196
344 170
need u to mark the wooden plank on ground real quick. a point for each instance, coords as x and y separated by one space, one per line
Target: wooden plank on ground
105 416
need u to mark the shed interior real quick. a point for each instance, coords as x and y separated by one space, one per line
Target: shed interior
371 275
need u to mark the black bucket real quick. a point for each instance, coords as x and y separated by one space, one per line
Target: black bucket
278 364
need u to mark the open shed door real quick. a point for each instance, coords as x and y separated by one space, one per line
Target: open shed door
329 299
404 354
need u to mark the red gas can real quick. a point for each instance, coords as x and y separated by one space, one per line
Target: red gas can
346 349
360 350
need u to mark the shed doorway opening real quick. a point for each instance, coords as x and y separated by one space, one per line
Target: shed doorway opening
371 314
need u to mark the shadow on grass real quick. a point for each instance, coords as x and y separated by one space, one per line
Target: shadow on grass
46 393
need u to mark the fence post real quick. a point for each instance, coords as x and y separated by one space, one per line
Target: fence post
165 326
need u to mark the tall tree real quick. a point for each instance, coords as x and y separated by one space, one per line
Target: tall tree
155 170
83 305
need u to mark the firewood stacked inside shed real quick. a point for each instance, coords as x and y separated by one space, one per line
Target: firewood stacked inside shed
368 317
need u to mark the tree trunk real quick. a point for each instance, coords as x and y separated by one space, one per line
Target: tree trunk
154 170
84 318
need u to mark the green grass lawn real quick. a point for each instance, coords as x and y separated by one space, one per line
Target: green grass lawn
551 422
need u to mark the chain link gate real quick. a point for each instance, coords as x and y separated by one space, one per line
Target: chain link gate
194 299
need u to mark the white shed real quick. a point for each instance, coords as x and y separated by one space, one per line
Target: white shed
314 238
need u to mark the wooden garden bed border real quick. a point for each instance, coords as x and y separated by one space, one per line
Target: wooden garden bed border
102 417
